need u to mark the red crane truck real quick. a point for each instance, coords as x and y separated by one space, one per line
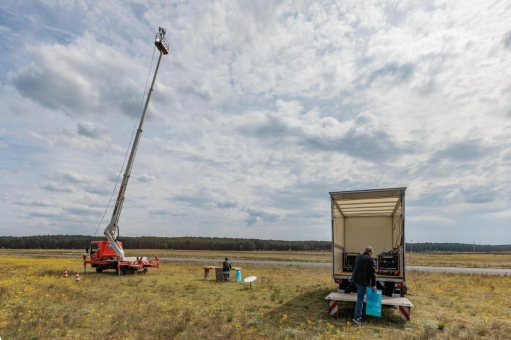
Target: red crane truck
110 254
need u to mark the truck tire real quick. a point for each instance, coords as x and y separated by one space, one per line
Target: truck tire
99 269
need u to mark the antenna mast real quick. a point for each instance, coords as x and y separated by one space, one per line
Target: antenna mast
163 46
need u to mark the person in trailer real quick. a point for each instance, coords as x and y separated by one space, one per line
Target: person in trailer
364 275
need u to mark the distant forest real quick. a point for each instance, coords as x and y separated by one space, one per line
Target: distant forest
147 242
457 247
217 243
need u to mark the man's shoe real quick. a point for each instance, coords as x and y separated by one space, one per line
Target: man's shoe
358 322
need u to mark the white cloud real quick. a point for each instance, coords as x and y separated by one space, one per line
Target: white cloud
73 139
438 219
91 130
82 79
56 187
34 203
146 178
258 112
74 177
505 214
259 215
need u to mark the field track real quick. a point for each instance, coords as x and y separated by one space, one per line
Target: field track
487 271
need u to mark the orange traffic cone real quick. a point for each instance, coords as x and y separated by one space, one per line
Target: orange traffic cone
65 273
77 277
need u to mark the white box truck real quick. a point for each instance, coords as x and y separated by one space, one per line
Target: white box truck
373 218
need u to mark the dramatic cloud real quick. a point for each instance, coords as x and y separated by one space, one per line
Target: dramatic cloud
258 215
258 112
480 194
359 137
56 187
507 40
468 150
91 130
82 79
227 205
395 73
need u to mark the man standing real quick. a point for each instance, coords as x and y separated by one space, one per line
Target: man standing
226 270
364 275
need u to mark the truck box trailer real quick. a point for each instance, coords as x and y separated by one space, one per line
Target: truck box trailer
373 218
370 218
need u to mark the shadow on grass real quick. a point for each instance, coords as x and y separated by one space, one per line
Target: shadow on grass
311 305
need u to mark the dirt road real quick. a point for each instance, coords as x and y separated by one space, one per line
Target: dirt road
487 271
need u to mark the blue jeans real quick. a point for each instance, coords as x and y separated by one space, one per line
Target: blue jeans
361 291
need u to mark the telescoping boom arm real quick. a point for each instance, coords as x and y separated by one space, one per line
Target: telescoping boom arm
113 226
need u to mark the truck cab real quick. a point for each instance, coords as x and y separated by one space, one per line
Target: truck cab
102 250
102 255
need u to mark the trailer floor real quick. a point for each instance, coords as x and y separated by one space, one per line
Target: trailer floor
385 300
377 275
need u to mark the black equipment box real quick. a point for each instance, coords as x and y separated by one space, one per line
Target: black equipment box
388 263
349 261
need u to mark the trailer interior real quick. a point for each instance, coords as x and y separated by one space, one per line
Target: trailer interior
374 218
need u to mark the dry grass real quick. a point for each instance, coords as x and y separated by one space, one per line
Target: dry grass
36 302
296 256
472 260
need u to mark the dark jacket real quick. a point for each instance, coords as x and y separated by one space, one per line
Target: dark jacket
364 272
226 266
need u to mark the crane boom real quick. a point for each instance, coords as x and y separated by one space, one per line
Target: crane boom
113 226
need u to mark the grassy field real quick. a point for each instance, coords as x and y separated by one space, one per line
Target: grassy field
474 260
37 302
296 256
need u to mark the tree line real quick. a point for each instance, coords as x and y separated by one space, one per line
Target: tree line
218 243
456 247
149 242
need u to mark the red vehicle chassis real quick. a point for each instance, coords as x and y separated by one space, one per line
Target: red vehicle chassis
103 257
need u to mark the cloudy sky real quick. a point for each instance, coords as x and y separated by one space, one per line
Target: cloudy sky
260 110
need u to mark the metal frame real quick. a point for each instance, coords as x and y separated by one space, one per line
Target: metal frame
366 190
333 236
403 236
382 279
119 260
160 42
400 200
113 226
